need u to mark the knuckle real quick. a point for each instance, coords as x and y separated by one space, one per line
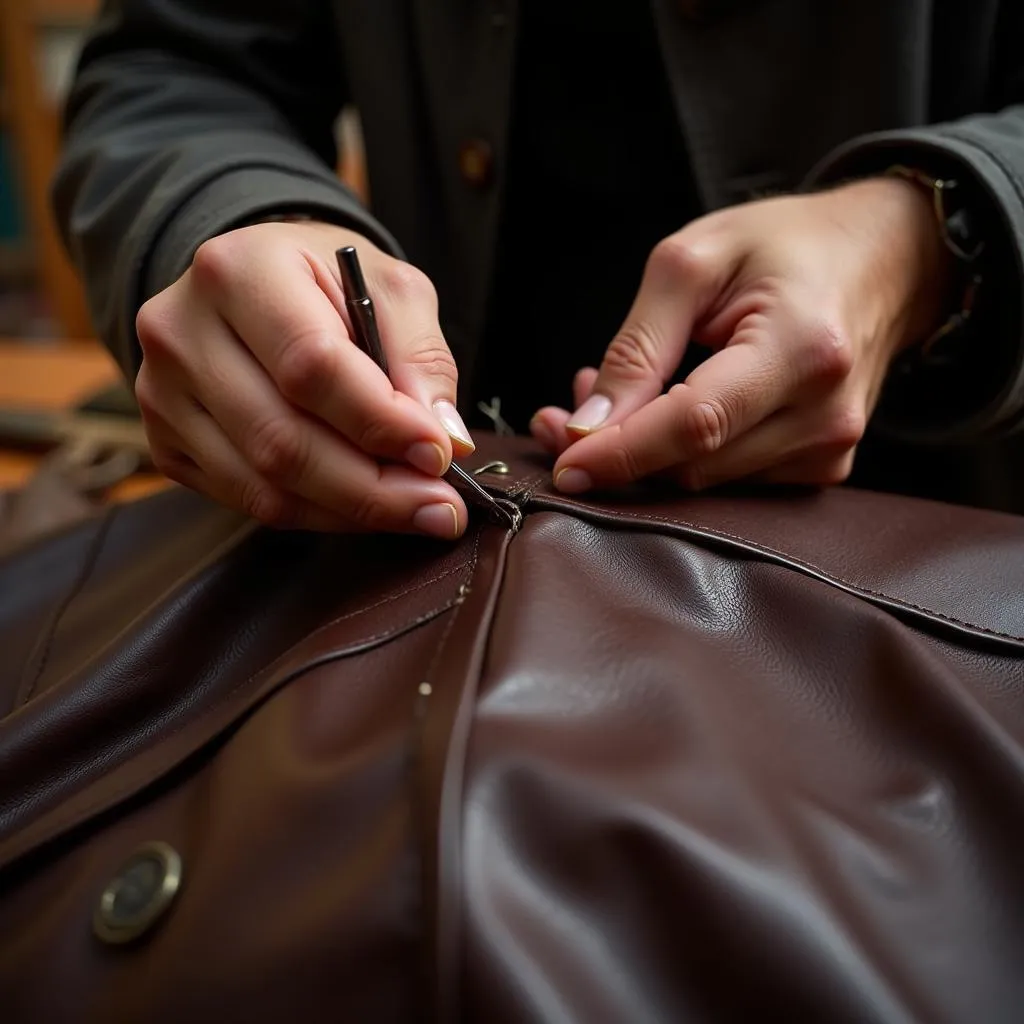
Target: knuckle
277 451
305 367
432 357
406 283
846 427
213 265
166 462
829 354
372 509
623 464
676 257
836 470
265 504
154 329
172 464
145 391
633 352
374 435
705 426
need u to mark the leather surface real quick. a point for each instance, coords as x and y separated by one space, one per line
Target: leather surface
721 758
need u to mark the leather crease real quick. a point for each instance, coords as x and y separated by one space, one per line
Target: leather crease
654 758
445 719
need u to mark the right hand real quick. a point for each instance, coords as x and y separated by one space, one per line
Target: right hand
253 393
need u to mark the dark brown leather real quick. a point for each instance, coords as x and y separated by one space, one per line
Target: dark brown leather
725 758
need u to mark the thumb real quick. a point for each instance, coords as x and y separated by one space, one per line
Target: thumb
420 362
677 287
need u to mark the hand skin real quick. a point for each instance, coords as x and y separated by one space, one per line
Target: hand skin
253 393
805 301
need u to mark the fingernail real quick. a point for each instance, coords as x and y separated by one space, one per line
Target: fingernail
427 457
573 481
452 422
438 521
590 415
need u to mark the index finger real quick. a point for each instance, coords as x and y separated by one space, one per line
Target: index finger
280 304
726 396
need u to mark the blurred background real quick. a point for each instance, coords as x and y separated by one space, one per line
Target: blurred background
39 295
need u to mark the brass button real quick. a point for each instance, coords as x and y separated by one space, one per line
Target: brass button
476 163
139 894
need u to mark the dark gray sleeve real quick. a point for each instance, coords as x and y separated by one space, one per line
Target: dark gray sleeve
187 118
974 389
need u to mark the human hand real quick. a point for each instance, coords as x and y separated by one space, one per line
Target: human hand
253 393
805 301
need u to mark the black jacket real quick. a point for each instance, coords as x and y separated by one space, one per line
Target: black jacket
189 117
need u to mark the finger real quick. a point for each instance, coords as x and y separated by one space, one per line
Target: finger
364 496
775 441
275 300
223 475
678 285
821 468
420 362
727 395
301 455
548 425
583 384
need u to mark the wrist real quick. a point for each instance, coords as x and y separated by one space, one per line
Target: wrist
923 269
932 279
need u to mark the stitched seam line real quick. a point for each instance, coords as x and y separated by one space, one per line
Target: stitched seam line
425 835
88 564
379 604
829 575
110 799
471 563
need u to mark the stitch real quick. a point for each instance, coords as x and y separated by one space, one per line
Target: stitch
824 572
110 799
522 490
415 759
387 600
458 604
251 526
88 564
532 486
513 488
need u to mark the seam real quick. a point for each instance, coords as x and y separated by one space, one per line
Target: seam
523 489
458 602
45 643
426 833
826 573
60 822
532 485
380 604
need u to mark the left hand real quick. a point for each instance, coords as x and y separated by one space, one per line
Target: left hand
805 300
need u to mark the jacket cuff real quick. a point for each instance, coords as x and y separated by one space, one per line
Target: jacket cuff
238 196
976 390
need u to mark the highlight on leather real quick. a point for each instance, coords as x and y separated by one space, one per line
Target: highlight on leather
716 758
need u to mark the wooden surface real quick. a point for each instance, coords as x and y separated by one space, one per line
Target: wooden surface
56 375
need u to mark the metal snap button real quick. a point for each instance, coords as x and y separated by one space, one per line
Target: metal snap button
139 894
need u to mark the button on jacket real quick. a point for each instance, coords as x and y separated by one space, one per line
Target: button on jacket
187 119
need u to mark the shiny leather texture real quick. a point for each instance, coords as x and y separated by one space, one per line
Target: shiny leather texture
732 757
